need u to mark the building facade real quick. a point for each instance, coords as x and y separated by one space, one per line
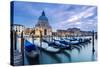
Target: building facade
43 27
28 31
18 28
73 32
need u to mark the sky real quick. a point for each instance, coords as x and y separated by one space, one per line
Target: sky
60 16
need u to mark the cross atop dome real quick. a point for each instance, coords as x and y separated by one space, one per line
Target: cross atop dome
43 13
43 16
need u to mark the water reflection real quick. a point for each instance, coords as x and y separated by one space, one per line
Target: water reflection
53 56
67 55
80 52
78 48
32 61
93 56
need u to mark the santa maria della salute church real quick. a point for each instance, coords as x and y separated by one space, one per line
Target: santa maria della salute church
52 33
43 26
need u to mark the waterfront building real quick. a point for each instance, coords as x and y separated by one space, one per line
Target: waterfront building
73 32
63 32
18 28
28 31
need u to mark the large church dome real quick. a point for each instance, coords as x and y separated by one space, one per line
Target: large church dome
43 21
43 17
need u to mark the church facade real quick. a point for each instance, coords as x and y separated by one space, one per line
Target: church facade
43 27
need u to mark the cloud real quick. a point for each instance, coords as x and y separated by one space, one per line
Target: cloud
60 16
84 14
80 19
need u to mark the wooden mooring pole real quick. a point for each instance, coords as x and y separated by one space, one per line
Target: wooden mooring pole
40 39
93 50
33 39
12 48
40 53
22 47
13 45
15 39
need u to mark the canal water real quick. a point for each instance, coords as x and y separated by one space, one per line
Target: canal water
80 54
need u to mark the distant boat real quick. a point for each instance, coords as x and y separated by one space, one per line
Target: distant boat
71 39
57 44
77 40
30 49
68 42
